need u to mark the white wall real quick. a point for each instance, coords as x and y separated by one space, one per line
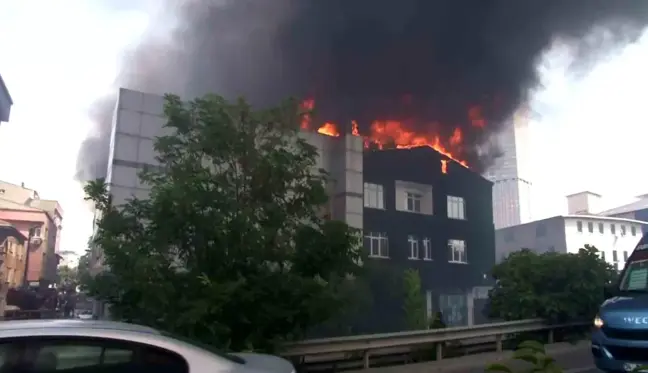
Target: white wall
561 234
606 241
540 236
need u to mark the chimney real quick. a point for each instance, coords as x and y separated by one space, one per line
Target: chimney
585 203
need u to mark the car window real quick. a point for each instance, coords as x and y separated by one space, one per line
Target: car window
85 355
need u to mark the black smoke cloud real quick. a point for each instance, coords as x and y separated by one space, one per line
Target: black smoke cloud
360 58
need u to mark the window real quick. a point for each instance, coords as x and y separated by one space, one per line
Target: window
625 256
413 202
70 353
413 247
374 196
457 251
456 208
37 232
615 256
603 255
633 230
590 227
579 226
541 230
613 228
601 230
377 244
427 249
623 230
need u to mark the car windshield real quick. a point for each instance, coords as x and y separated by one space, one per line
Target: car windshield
213 350
635 278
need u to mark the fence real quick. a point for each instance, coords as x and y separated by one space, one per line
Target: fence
373 345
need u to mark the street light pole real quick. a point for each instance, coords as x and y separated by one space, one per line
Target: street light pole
30 235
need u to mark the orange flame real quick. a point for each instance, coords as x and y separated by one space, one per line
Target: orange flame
385 132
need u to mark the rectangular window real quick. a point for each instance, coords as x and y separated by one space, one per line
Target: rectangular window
615 256
457 251
625 256
413 201
590 227
613 228
374 196
413 247
456 208
377 244
37 232
579 226
427 249
601 229
623 230
633 230
603 255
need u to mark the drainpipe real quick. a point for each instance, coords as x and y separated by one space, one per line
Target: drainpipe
28 249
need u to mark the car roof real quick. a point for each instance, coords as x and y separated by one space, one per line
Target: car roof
75 324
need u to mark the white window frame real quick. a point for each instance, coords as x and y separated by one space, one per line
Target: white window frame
413 244
414 197
457 251
374 196
456 208
378 244
427 249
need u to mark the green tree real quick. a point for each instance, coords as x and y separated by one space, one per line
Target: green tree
553 286
413 301
83 270
231 247
67 277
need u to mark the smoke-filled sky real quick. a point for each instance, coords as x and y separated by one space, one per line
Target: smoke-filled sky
359 59
588 130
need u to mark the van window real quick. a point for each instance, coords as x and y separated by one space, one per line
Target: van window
635 277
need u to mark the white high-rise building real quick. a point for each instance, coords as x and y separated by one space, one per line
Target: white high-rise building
511 174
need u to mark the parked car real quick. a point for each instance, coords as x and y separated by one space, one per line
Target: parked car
85 315
79 346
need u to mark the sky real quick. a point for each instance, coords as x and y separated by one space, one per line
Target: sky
588 131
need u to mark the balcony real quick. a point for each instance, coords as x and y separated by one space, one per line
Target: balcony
5 102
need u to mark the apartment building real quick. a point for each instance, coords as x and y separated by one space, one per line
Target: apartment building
12 260
439 223
38 219
5 102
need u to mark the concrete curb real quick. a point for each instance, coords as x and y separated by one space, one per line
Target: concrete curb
480 361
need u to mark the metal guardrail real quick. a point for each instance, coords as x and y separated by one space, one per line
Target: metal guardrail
366 344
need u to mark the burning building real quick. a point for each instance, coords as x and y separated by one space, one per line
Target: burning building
418 203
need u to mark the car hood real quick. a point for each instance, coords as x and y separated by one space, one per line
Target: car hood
628 311
266 363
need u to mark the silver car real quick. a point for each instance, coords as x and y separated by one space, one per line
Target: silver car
76 346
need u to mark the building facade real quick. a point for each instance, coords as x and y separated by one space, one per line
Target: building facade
614 237
510 174
5 102
26 211
441 224
401 199
12 260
